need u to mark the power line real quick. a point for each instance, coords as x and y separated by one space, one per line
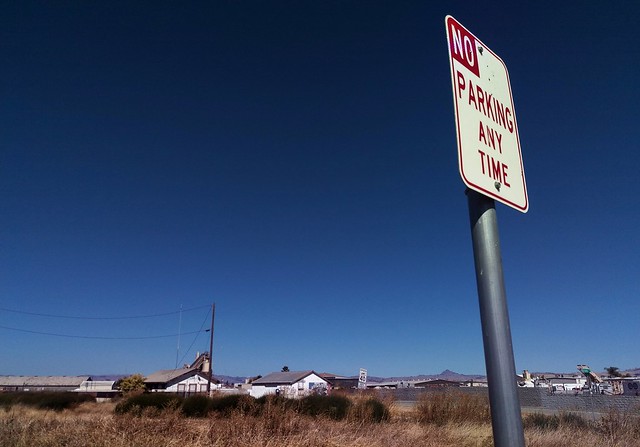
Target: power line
94 337
75 317
196 337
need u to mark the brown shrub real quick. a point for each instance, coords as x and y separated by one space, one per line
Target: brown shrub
441 408
618 426
275 425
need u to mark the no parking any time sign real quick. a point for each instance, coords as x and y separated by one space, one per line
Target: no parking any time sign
489 156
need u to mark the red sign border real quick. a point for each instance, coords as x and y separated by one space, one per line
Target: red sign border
467 182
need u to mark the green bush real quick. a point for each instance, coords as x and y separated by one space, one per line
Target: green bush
335 407
225 404
229 403
56 401
140 402
131 384
7 400
196 406
271 401
193 406
244 404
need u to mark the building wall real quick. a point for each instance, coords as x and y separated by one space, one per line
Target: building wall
631 388
541 398
301 388
258 391
33 388
567 384
535 399
191 385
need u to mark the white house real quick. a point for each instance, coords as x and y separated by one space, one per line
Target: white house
289 384
102 390
567 384
191 379
184 381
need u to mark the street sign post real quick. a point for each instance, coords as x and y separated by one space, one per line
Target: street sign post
489 155
490 163
506 418
362 379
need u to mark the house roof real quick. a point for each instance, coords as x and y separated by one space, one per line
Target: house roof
283 378
326 375
167 375
392 384
96 386
43 381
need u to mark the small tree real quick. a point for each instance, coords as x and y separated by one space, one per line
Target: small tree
131 384
613 371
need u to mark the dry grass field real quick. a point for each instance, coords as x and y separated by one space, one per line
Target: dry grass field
451 421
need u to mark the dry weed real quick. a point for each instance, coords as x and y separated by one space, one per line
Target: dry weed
96 425
453 407
471 435
275 427
620 428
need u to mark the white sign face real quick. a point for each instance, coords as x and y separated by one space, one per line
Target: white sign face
362 379
489 156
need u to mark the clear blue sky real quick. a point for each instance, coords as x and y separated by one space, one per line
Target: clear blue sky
295 162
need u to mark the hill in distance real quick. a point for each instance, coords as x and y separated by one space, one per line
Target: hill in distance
444 375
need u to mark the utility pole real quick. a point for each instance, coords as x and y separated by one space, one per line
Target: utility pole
179 330
496 330
213 316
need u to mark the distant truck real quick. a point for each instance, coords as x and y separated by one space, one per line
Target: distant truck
594 381
630 386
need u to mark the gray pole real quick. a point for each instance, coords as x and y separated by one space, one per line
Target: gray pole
213 316
496 331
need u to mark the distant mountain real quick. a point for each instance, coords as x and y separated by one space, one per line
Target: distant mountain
635 372
444 375
229 379
114 377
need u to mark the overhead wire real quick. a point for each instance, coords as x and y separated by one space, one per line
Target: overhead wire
196 337
96 337
76 317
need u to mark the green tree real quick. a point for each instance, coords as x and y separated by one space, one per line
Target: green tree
131 384
613 371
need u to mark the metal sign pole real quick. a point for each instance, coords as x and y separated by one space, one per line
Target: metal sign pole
496 331
213 316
